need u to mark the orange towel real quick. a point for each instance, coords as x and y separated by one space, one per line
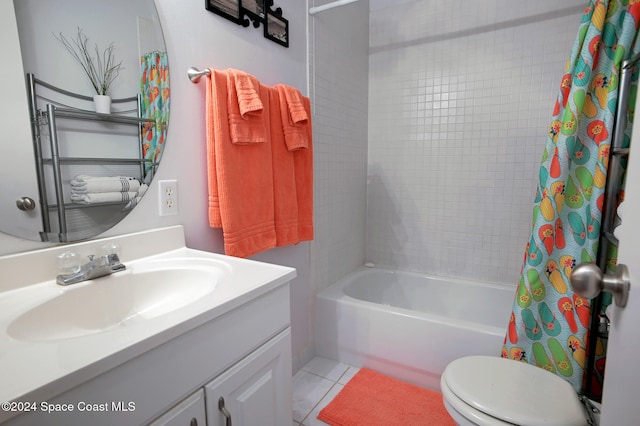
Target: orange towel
247 120
241 198
215 221
294 103
284 178
303 162
295 117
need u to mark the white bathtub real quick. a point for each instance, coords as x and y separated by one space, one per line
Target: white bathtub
408 325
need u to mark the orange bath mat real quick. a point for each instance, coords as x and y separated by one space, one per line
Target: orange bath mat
373 399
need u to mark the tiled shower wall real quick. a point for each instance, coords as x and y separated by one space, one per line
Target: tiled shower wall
460 96
339 44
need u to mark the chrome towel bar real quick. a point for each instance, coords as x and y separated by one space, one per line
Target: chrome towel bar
195 74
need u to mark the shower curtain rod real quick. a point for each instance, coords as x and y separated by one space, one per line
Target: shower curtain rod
317 9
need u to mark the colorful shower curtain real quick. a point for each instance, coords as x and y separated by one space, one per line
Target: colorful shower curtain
549 323
154 87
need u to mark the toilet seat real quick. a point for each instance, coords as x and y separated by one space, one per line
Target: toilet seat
499 391
464 414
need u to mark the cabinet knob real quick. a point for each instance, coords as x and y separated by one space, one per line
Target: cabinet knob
25 203
193 422
224 411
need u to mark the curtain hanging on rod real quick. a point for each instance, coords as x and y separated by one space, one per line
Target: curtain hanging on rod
154 88
549 324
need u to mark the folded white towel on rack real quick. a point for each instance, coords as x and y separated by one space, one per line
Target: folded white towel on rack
102 197
83 184
134 202
143 189
87 178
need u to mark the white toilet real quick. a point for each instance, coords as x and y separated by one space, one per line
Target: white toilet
483 390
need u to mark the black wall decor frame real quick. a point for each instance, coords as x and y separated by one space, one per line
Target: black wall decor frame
276 29
256 12
229 9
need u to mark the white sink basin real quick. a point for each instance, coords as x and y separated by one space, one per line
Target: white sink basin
55 338
142 292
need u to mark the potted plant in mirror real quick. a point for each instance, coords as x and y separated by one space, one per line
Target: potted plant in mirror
100 66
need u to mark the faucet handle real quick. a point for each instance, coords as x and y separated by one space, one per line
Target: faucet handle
111 248
68 263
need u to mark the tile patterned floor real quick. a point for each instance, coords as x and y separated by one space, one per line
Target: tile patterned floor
314 386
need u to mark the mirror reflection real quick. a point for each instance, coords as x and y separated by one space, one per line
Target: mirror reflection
71 170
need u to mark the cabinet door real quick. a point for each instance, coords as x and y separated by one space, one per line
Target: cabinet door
256 390
189 412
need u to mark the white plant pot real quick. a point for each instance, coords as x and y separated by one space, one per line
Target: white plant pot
102 103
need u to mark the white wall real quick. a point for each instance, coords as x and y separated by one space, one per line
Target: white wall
196 37
460 96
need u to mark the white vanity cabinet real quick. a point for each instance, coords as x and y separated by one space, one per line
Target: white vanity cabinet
242 355
253 391
190 412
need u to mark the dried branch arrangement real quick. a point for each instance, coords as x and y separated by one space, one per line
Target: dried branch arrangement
100 67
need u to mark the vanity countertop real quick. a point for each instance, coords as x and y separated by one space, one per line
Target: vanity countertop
36 370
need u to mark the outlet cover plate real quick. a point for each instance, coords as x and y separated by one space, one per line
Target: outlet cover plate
168 197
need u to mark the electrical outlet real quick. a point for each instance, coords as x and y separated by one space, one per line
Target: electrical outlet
168 197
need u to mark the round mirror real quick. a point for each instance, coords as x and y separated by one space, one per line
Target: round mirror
69 169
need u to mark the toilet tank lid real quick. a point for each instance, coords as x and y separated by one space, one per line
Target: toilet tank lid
514 391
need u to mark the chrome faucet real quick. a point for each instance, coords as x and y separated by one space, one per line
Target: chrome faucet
96 267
